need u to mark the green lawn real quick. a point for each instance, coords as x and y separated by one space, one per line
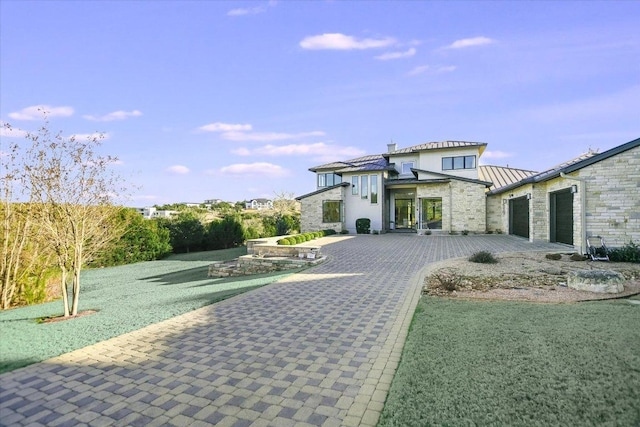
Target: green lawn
518 364
127 298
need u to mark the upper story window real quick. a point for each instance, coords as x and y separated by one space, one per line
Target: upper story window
328 179
458 162
406 168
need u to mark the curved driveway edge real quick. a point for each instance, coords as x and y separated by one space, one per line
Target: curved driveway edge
318 348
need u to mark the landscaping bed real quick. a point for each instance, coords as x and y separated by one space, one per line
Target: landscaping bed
528 276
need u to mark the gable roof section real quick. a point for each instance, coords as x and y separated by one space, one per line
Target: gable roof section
438 146
366 163
322 190
450 177
573 165
502 176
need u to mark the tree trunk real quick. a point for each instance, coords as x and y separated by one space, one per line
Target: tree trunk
65 294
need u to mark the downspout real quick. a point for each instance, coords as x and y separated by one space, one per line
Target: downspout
583 209
450 207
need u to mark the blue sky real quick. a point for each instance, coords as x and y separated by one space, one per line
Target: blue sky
236 100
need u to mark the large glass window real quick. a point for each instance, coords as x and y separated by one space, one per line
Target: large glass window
331 210
364 188
431 214
374 188
459 162
328 179
406 167
355 184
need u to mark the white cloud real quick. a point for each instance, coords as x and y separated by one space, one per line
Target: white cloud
116 115
225 127
37 112
252 10
11 132
474 41
267 136
177 170
87 136
397 55
338 41
497 154
261 169
318 150
421 69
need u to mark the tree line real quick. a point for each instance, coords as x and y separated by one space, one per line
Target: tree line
59 214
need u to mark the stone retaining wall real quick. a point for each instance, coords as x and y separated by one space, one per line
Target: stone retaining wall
253 264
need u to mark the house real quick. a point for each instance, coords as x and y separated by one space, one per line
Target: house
593 194
259 204
439 186
150 212
433 186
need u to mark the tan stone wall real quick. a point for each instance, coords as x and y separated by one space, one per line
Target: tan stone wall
613 198
494 213
311 211
463 205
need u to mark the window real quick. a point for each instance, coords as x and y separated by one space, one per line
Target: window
374 188
328 179
458 162
406 168
364 188
354 185
331 210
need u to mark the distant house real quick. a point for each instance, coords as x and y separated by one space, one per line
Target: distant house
439 186
151 212
259 204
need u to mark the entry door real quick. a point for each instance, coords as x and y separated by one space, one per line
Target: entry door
519 217
561 217
405 216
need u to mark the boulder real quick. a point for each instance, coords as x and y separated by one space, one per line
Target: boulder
599 281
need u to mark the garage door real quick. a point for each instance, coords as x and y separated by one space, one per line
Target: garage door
519 217
561 221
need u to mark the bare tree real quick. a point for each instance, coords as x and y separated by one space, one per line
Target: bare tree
74 188
284 203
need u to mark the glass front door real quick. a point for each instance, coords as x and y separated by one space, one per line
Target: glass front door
431 214
405 213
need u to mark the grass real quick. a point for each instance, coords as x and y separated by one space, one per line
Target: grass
126 298
518 364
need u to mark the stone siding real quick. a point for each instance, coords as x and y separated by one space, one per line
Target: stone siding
463 205
311 208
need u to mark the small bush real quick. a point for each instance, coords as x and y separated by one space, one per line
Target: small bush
344 231
329 232
283 241
554 257
577 257
427 232
465 232
448 281
489 231
363 226
628 253
483 257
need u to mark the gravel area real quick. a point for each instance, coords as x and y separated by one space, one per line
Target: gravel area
523 276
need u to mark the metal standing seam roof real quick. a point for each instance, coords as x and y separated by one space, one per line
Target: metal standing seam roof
381 160
502 176
436 146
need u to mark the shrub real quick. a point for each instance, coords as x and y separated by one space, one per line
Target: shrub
299 238
363 226
465 232
554 257
427 232
329 232
284 241
344 231
628 253
448 281
483 257
292 240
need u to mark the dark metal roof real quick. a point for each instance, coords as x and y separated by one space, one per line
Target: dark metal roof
322 190
374 160
573 165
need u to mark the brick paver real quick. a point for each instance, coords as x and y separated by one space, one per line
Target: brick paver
318 348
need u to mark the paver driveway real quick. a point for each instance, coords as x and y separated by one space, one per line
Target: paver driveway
318 348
